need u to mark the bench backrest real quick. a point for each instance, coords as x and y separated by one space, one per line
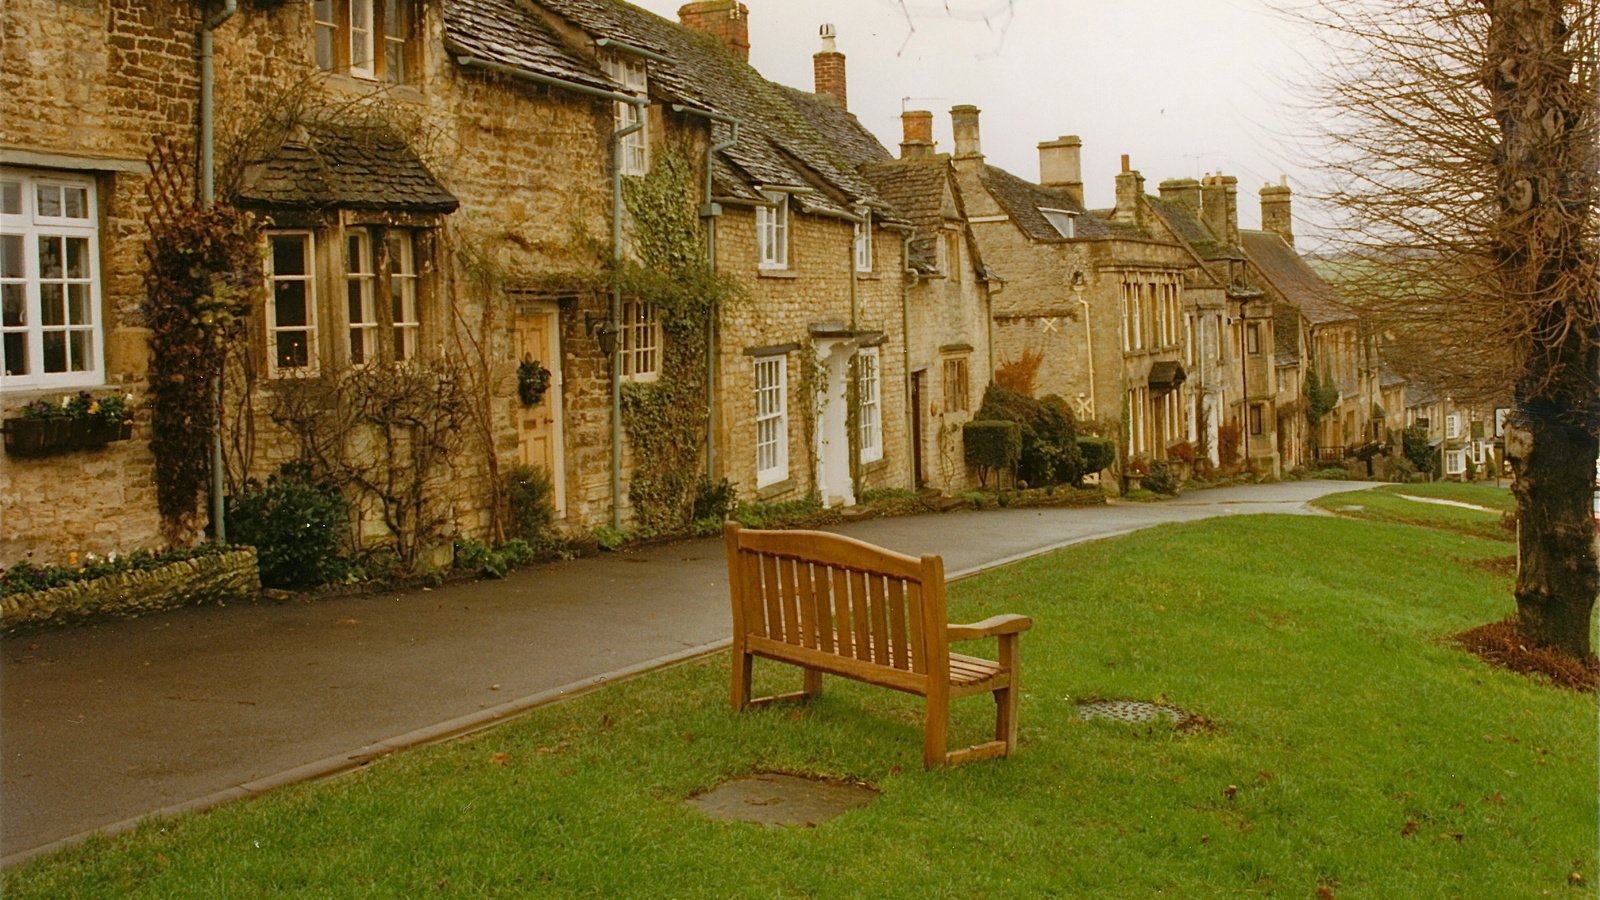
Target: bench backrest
881 614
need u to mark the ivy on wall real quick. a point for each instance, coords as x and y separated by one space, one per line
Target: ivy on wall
665 419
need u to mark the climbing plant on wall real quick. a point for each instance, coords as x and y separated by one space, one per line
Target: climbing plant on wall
665 419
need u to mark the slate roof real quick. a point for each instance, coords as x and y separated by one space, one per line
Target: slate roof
916 189
324 165
1022 200
1294 278
779 145
1190 229
839 127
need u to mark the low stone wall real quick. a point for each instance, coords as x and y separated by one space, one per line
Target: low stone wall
222 578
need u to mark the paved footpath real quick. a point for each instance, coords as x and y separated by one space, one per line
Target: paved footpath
105 724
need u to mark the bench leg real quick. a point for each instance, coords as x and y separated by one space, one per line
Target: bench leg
1005 699
742 663
813 683
935 734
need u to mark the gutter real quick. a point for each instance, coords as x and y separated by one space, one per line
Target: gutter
466 60
208 191
709 212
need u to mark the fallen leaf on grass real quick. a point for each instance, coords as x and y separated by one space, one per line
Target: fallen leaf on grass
1410 828
688 737
557 748
1230 791
501 759
162 858
1324 892
348 622
1497 798
1575 878
1264 776
1456 836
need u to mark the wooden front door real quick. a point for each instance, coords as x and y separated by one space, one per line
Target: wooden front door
538 339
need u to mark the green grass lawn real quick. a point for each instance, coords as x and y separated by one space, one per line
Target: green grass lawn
1386 504
1352 749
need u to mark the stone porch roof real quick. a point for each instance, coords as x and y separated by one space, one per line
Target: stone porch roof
325 165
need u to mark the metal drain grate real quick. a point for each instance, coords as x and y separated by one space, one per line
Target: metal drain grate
1137 712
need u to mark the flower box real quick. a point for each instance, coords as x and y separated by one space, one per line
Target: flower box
44 437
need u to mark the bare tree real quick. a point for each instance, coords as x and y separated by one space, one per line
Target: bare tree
1464 159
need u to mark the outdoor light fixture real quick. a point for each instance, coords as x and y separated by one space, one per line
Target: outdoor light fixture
604 331
1078 282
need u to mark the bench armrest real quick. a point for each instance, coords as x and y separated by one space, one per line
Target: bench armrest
990 627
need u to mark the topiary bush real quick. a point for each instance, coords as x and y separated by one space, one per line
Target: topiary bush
1163 478
296 526
1049 436
1098 453
530 496
991 446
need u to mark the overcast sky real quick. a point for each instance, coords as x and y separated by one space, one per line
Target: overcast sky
1185 87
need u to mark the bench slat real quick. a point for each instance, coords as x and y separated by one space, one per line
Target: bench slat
786 599
878 601
919 646
858 609
841 610
832 550
860 670
899 649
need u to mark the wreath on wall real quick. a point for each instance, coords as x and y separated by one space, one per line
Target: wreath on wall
533 380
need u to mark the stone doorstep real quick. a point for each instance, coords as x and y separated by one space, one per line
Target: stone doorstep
779 798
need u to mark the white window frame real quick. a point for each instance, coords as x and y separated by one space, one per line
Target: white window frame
32 226
869 411
361 292
634 78
640 341
1452 426
309 278
1064 221
772 232
771 397
405 315
1455 462
864 245
353 36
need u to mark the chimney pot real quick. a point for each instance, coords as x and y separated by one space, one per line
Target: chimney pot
964 122
917 126
1130 208
1219 206
729 20
1061 165
828 68
1277 211
1126 165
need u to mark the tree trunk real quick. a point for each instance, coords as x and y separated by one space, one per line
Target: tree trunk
1545 170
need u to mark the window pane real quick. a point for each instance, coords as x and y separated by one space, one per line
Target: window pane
50 257
51 305
324 47
291 350
55 351
14 347
49 200
79 342
77 257
75 202
11 198
358 346
13 305
289 255
78 304
394 62
290 301
11 264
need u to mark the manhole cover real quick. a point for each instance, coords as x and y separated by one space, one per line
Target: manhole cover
772 798
1135 711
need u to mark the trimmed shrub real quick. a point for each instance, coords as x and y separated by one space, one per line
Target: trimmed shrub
1162 478
530 496
991 446
1098 453
294 523
1414 444
1049 437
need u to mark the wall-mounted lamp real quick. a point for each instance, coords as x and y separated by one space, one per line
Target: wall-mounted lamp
1078 281
602 330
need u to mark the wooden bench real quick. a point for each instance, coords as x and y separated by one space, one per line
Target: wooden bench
836 605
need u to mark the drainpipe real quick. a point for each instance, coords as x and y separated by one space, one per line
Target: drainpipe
466 60
208 189
709 212
1078 286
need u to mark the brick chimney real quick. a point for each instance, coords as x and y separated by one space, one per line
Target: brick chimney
727 19
1130 196
1061 165
828 66
917 124
1185 192
964 122
1219 206
1275 214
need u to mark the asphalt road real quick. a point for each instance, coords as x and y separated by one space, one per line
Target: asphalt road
104 724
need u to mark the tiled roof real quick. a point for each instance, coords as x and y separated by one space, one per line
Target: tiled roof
323 165
914 187
1293 278
1190 229
1023 199
508 33
779 146
840 128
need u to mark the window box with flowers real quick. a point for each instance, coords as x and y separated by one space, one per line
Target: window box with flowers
80 421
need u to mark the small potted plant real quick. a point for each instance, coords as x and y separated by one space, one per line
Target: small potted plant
1138 467
80 421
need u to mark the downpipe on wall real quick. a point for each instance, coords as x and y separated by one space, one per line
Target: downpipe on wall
208 191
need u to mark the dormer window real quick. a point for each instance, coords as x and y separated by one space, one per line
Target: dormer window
1064 221
631 75
372 39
